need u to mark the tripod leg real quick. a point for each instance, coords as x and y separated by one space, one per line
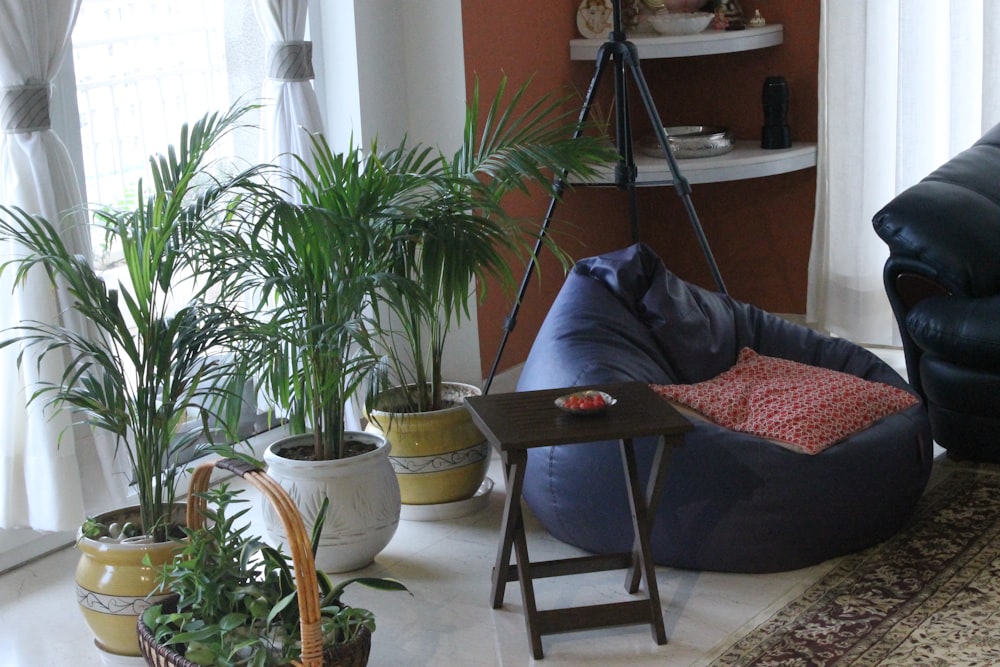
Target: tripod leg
680 183
626 59
604 55
625 171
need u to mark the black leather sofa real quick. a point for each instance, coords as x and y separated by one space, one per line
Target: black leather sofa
943 281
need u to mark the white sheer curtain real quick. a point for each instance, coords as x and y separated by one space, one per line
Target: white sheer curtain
903 86
293 110
40 484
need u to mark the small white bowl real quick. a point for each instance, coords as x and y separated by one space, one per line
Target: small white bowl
679 23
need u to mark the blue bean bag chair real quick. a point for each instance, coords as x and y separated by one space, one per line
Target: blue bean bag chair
732 501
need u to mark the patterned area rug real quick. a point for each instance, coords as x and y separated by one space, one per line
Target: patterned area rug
930 595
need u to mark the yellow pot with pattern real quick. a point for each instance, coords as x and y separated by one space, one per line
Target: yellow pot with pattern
438 456
114 580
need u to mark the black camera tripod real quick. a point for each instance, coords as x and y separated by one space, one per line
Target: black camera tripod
625 57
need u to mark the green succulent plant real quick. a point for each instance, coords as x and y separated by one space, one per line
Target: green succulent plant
237 599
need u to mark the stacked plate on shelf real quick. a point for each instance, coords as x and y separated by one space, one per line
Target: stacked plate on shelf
690 141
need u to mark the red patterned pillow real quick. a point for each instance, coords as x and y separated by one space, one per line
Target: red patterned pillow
803 407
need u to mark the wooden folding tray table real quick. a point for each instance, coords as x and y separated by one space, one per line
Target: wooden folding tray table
519 421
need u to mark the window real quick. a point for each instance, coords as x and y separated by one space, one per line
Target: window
142 68
145 67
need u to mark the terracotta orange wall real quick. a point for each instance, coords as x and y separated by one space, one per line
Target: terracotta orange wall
759 229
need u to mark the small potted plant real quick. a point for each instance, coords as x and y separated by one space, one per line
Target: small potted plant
460 235
145 366
238 601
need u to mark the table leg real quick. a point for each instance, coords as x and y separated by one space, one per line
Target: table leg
654 490
509 526
512 536
528 592
642 557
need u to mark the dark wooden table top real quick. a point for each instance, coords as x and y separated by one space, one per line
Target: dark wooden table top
526 419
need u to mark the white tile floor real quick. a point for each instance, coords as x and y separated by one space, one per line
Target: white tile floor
448 620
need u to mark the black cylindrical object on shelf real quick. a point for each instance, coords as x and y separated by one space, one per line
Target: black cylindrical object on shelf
775 133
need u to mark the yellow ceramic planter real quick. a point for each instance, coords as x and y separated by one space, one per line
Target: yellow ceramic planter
439 456
112 585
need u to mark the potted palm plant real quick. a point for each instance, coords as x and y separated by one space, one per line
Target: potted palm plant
311 261
463 234
148 365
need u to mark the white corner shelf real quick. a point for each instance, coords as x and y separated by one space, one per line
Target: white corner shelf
746 160
705 43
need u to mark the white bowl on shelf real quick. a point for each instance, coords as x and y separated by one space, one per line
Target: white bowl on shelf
679 23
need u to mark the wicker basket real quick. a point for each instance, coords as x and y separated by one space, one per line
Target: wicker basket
350 654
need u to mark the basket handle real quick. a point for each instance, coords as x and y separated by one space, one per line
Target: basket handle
298 543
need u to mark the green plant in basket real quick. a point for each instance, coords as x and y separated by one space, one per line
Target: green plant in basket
236 598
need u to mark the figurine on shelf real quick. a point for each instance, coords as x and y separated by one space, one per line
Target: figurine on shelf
731 17
720 22
630 15
594 18
757 21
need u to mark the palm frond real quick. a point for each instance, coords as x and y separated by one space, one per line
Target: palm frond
455 230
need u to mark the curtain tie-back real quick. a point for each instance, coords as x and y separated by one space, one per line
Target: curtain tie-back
24 108
290 61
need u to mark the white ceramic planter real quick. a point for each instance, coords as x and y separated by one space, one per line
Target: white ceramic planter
364 501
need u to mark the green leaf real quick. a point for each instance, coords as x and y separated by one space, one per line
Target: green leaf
202 634
201 654
378 583
317 528
231 621
280 606
150 616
